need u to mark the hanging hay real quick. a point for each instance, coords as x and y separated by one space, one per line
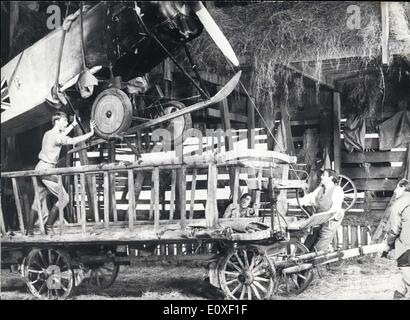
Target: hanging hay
272 35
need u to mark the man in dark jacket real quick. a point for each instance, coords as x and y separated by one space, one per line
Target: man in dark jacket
398 236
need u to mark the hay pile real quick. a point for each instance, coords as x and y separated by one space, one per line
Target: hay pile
271 35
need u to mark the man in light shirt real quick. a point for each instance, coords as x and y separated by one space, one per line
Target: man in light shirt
53 140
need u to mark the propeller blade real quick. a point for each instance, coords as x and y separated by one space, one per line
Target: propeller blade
216 34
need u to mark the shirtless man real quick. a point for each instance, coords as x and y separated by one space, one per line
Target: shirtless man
53 140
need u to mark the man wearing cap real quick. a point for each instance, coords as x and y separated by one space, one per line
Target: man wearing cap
53 140
398 235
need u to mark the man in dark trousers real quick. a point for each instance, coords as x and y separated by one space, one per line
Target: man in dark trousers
53 140
398 235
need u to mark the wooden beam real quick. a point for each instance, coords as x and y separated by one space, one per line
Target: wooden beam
131 200
60 207
211 209
3 229
385 32
336 132
193 189
155 178
106 200
181 177
251 122
378 156
375 184
172 200
373 172
309 72
83 212
18 204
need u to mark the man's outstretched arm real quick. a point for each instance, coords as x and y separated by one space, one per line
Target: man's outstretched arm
75 140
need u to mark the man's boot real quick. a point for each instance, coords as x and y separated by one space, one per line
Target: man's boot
30 223
52 217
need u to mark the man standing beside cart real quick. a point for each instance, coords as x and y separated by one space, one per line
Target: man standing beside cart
326 200
53 140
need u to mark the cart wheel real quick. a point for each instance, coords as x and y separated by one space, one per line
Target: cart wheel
245 273
179 125
290 282
103 275
112 113
48 273
350 191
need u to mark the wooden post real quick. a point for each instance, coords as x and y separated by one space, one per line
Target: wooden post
113 198
2 225
106 200
336 131
18 204
211 210
385 31
95 196
182 195
235 195
354 238
131 200
77 199
83 212
251 122
345 237
155 178
60 202
193 188
172 200
38 204
90 186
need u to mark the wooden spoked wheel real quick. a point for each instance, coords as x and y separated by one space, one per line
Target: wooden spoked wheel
112 113
179 125
349 190
48 274
102 275
246 274
290 282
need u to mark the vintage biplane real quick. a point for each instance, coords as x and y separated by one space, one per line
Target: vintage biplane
97 61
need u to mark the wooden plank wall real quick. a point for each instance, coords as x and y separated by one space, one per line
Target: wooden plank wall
375 174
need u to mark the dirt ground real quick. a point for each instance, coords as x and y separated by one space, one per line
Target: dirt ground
366 279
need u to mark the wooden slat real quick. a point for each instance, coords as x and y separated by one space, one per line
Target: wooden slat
373 172
345 238
375 184
182 195
152 201
95 196
83 212
18 204
354 239
193 188
155 178
38 203
113 198
363 236
77 199
379 156
172 201
370 143
60 202
106 200
131 200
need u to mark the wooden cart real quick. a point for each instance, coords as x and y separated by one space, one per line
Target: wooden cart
248 257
